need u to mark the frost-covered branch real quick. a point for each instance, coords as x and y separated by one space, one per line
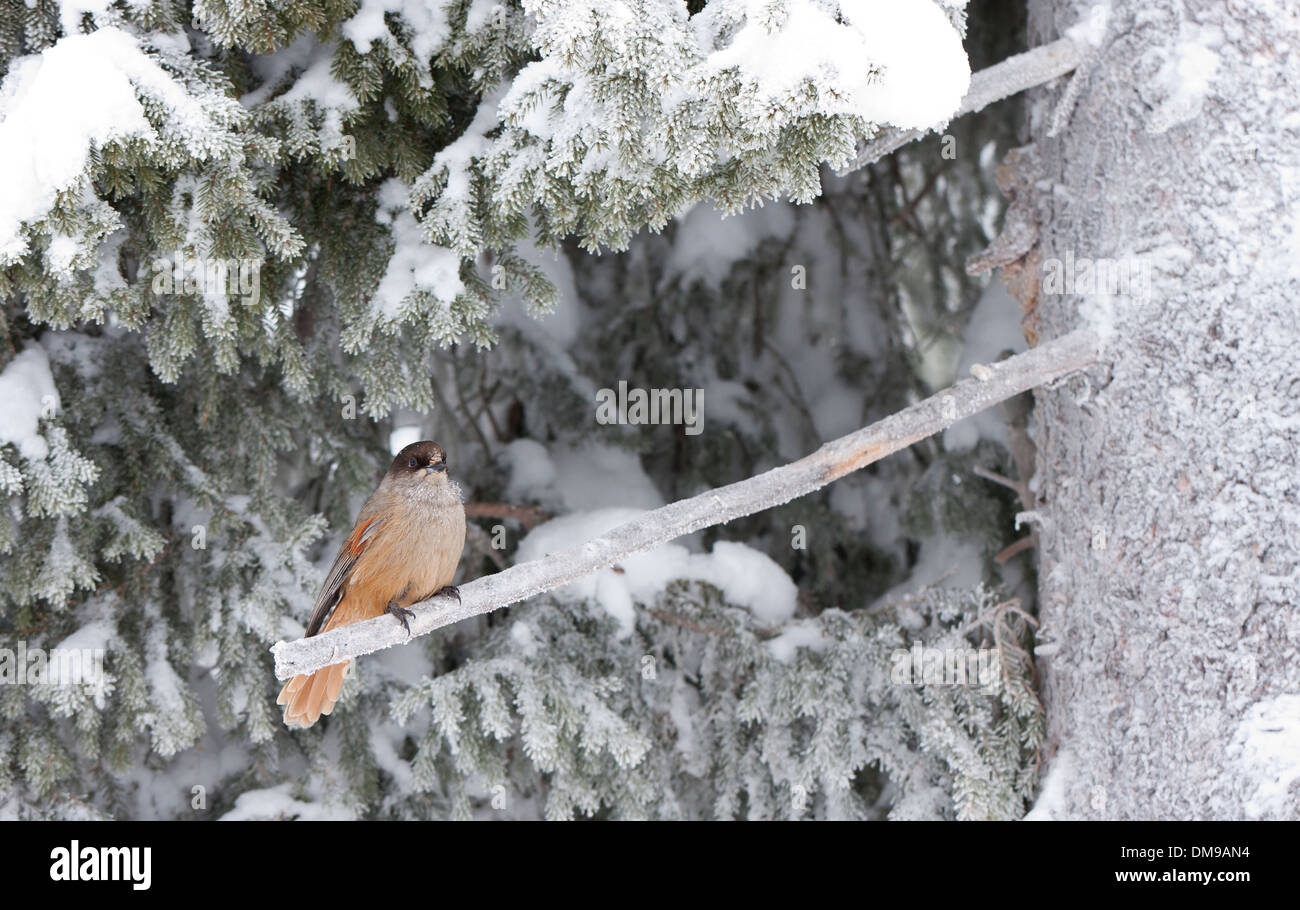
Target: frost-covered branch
991 384
1002 80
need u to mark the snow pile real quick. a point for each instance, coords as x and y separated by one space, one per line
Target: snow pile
427 20
803 634
1051 805
415 265
1267 746
921 71
27 392
578 478
531 470
81 671
78 95
745 576
277 804
894 62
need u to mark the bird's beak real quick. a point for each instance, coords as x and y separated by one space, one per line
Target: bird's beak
436 468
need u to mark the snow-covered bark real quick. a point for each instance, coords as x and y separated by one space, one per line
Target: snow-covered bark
1170 532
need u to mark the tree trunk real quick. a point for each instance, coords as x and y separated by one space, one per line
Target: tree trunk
1167 480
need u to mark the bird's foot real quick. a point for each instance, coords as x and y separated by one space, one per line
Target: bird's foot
450 591
404 615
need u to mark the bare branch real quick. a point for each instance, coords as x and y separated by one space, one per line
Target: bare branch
1002 80
832 461
527 515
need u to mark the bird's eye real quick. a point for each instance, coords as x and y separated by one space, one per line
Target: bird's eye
412 462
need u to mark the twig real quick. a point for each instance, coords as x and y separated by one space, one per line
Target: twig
996 620
1027 503
1043 364
911 204
1019 546
1002 80
981 471
528 516
682 622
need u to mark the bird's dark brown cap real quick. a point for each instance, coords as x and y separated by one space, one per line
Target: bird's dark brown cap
417 457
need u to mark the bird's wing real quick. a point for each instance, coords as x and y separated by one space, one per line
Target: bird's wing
346 559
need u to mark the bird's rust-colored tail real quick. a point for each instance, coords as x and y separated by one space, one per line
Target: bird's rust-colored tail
309 696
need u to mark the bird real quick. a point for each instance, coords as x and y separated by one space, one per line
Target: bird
404 548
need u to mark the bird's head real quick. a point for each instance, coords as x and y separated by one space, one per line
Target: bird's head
420 462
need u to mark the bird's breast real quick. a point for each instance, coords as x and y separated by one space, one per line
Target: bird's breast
413 555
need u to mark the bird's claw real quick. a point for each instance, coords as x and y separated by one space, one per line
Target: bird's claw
403 615
450 591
